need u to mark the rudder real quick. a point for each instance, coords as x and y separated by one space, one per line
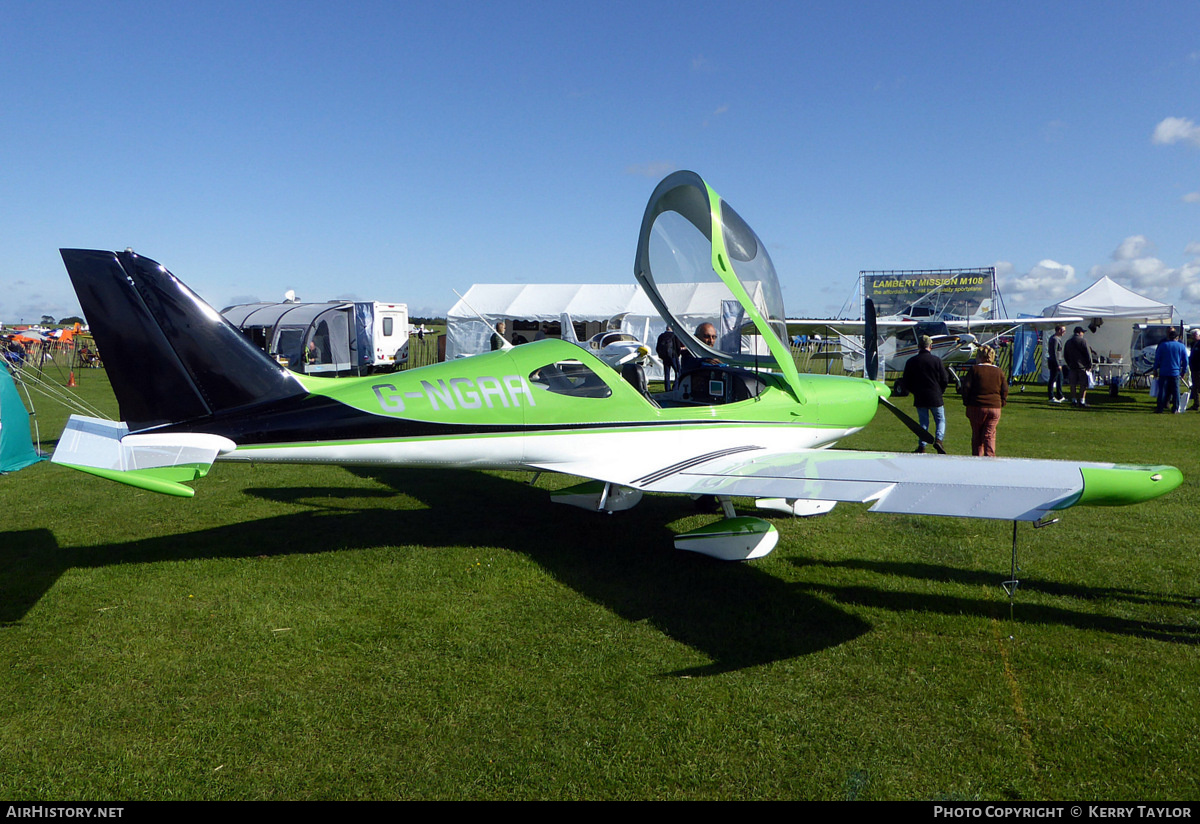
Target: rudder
169 355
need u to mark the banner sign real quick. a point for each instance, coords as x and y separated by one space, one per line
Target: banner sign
943 293
1025 360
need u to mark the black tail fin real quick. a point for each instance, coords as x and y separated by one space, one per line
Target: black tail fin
170 356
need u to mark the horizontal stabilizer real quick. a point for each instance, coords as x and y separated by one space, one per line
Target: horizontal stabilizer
156 462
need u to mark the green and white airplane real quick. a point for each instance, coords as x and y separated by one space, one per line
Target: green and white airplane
193 390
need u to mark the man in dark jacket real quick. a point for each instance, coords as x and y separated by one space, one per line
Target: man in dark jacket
1078 356
498 340
925 378
668 351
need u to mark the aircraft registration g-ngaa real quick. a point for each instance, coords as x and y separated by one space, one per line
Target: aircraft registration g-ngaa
193 390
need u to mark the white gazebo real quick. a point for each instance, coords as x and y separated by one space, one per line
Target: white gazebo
1110 312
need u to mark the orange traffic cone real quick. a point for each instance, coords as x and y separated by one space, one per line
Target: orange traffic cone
71 380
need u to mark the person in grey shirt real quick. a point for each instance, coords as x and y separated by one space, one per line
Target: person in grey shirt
1054 360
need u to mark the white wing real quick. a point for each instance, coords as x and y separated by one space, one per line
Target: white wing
1006 324
843 326
1011 489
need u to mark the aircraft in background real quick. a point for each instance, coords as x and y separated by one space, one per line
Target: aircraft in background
1144 345
613 346
896 341
953 340
193 390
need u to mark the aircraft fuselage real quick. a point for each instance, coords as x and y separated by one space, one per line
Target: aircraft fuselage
514 409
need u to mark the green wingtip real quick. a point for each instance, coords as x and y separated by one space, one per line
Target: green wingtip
1123 485
162 480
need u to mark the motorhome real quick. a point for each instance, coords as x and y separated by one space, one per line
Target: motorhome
333 338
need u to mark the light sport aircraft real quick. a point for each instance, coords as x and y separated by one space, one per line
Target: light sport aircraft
613 346
897 341
953 338
191 389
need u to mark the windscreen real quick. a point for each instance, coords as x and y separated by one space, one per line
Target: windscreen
752 265
695 278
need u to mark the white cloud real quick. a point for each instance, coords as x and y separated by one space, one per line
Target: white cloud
1191 290
1133 247
22 301
717 112
1045 283
1135 266
1176 129
1191 197
1147 276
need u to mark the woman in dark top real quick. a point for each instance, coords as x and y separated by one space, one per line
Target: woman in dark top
985 392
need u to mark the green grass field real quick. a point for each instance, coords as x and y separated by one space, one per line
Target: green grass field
328 633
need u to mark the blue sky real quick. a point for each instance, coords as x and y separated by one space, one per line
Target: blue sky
396 151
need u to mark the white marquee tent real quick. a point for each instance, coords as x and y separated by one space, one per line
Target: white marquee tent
466 334
1110 312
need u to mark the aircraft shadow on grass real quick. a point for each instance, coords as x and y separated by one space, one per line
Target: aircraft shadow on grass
736 615
30 563
1023 612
